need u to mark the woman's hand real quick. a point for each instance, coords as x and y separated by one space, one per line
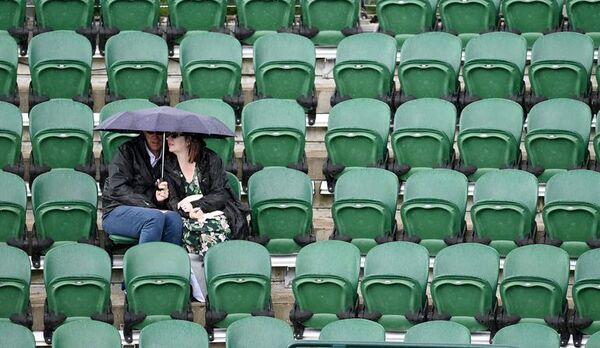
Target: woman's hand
162 193
196 213
185 205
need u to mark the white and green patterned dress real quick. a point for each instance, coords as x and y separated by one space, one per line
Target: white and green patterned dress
199 235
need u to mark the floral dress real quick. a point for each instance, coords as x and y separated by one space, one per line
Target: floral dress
199 235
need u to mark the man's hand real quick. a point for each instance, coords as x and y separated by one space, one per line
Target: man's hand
162 192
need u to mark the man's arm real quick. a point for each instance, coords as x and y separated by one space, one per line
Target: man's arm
121 178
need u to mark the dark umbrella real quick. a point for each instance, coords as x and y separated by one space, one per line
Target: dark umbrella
165 119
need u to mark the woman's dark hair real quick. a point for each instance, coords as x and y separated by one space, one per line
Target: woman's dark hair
197 144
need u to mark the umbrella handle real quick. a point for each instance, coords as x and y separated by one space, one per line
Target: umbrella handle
162 167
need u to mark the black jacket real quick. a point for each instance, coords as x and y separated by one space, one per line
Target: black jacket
217 194
131 179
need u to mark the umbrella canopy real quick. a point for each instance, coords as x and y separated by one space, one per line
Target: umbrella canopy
165 119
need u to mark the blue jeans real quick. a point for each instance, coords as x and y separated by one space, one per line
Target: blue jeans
145 224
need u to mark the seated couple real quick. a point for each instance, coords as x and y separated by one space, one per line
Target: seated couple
193 205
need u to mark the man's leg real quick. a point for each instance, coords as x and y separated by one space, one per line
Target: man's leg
173 228
145 224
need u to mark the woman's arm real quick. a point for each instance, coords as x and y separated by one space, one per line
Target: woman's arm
213 182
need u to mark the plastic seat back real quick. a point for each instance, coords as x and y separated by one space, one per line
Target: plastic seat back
259 332
329 17
494 65
197 15
64 215
90 333
364 206
407 18
156 277
12 14
8 59
582 16
572 210
395 282
13 204
534 284
489 135
16 335
211 65
353 330
357 133
11 132
364 66
61 133
326 281
60 70
504 208
264 17
423 134
174 333
532 19
561 65
274 132
281 200
64 15
593 341
112 140
438 332
284 66
136 64
235 185
224 113
469 18
527 335
77 279
434 207
238 286
15 279
585 291
465 289
558 132
130 15
429 65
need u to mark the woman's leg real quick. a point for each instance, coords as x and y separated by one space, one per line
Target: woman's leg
145 224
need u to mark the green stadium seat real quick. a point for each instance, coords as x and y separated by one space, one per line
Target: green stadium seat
353 330
77 282
116 16
66 15
532 19
582 18
325 284
469 19
494 67
61 133
489 136
173 333
429 66
526 335
235 185
394 285
257 18
136 65
464 291
364 68
281 200
11 133
364 207
86 333
274 132
423 136
357 133
284 68
327 22
438 332
405 19
504 208
15 279
262 332
59 70
561 66
12 19
16 336
13 205
9 91
191 15
157 280
238 287
586 319
572 211
63 216
593 341
208 72
557 138
223 112
433 210
534 288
